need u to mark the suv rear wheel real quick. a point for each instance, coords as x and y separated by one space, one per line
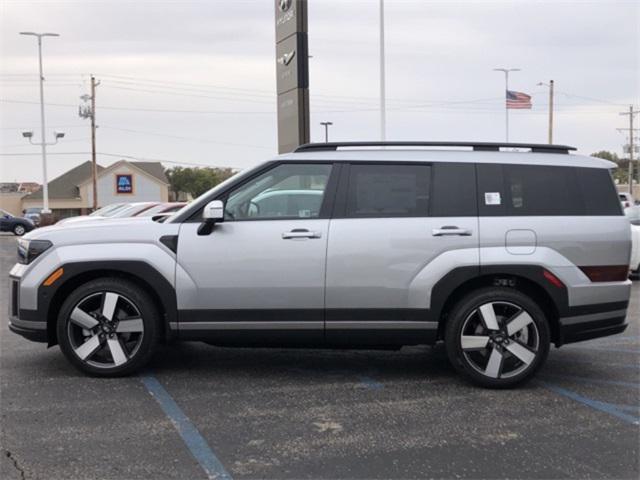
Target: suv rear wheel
108 327
497 337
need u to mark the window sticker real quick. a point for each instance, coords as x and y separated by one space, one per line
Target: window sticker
492 198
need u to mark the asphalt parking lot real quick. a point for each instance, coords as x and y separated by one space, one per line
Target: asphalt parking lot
200 411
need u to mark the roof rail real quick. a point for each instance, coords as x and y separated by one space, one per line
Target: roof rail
477 146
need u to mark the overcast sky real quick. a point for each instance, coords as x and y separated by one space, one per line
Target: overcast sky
193 82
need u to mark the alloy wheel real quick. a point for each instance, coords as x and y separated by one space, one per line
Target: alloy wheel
499 339
19 230
105 329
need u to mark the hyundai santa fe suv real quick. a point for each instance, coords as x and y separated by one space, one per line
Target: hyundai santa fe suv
497 250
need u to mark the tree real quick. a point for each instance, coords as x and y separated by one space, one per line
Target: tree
620 174
196 180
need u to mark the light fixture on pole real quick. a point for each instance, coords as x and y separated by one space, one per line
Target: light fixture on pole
506 90
550 85
326 126
43 144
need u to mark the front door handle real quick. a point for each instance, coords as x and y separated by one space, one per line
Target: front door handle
451 230
300 233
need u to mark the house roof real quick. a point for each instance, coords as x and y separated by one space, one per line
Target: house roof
151 169
66 185
154 169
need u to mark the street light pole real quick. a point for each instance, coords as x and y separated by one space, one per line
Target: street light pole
506 83
326 126
383 94
550 85
45 186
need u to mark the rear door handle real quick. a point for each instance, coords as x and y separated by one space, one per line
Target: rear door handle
451 230
300 233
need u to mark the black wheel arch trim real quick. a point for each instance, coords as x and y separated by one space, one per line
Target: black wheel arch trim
451 287
159 287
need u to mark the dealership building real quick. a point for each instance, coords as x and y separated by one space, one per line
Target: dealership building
72 192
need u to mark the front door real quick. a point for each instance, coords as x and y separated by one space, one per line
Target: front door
259 276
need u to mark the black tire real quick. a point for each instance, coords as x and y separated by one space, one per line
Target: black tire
468 360
128 296
19 230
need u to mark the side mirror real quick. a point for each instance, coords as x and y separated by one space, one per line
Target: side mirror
213 212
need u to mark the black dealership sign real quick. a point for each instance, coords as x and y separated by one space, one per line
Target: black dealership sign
292 70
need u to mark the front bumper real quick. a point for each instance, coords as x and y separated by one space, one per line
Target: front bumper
24 322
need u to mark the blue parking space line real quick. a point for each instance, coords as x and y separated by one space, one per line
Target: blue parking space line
631 366
605 349
195 442
595 404
587 380
370 383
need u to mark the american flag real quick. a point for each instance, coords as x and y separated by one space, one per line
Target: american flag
518 100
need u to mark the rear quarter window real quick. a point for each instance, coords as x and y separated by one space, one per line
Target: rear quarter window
540 190
599 192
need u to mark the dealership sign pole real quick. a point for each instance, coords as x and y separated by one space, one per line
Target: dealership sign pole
292 70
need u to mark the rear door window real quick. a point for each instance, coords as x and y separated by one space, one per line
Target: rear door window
454 190
399 190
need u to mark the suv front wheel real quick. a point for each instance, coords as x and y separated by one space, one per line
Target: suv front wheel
108 327
497 337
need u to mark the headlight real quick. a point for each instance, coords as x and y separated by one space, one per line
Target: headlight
29 250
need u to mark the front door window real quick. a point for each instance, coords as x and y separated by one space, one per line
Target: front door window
288 191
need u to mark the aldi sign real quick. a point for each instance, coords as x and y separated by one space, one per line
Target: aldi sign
124 183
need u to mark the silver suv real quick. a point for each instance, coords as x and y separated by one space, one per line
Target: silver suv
496 253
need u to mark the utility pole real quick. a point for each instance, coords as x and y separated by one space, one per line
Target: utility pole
326 126
631 113
90 113
45 184
550 85
506 89
383 94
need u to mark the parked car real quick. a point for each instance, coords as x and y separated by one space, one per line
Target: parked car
132 210
33 214
120 210
633 214
482 249
162 208
18 225
626 199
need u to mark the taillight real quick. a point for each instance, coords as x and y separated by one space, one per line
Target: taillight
607 273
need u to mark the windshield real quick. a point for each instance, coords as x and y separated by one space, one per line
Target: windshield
104 211
5 214
131 210
162 208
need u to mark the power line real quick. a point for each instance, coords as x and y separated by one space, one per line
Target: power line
212 112
203 140
122 156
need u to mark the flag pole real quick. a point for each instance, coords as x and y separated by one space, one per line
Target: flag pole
506 108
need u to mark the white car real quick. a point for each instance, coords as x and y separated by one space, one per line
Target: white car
626 200
119 210
633 214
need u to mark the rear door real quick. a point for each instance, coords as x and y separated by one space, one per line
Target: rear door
561 217
397 229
